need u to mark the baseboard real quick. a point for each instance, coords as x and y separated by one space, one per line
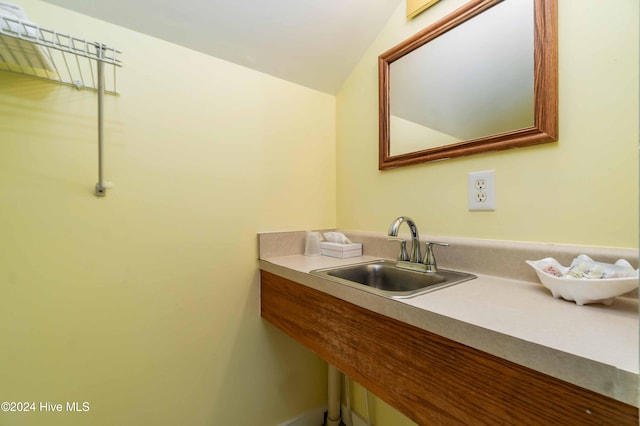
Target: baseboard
313 417
357 420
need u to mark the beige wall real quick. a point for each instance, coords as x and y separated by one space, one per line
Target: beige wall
145 303
582 190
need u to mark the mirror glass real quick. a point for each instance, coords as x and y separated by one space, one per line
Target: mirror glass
467 84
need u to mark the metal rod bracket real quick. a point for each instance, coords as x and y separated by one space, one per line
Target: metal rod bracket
101 190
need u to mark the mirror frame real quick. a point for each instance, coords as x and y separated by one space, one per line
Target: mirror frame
545 127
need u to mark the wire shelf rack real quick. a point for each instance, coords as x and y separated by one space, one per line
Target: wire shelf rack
26 48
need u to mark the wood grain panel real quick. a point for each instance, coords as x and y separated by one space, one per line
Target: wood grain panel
431 379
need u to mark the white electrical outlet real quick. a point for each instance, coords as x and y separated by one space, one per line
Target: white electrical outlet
482 190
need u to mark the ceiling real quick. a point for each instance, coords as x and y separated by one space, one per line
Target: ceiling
315 43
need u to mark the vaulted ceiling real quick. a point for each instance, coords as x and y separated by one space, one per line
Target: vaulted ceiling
315 43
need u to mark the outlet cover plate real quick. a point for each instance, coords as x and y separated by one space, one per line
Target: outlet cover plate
482 191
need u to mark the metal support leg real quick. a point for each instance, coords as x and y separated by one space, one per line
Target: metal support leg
333 411
101 190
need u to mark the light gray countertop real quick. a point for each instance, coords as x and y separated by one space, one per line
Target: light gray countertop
592 346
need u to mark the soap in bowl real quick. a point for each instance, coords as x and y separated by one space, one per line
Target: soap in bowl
586 281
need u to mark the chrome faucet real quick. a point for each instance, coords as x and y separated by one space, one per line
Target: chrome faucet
415 237
415 261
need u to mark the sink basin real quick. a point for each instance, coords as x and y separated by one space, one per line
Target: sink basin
385 278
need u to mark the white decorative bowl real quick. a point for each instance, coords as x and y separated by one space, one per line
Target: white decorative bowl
586 290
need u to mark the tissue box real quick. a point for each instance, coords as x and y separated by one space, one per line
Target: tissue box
340 250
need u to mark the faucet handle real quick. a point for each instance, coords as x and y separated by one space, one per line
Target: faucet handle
437 243
403 255
430 258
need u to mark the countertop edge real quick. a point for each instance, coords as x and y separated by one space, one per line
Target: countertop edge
604 379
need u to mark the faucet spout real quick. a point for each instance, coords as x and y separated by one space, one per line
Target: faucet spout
416 257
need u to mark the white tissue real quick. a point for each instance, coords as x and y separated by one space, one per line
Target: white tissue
13 11
312 244
336 237
16 51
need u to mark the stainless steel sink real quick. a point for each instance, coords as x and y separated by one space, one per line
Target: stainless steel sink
385 278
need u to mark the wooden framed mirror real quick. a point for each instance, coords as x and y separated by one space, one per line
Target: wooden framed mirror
483 78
